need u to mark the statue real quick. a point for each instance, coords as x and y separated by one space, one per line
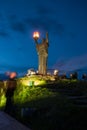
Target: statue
42 51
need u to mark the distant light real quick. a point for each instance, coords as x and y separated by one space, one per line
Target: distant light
36 35
56 72
30 72
13 75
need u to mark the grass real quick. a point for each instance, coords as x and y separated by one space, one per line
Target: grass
46 107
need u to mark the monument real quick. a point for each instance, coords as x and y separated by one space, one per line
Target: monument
42 51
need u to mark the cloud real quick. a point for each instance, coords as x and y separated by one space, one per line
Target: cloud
18 26
75 63
0 16
47 24
3 33
15 24
71 35
44 11
12 17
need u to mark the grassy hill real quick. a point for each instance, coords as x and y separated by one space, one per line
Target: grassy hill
45 104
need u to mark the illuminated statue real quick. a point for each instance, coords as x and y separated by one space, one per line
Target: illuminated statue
42 51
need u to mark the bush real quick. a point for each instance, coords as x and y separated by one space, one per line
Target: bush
25 94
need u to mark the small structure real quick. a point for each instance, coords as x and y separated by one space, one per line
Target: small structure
55 72
30 72
84 77
74 75
42 51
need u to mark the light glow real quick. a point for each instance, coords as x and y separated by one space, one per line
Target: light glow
36 35
13 75
2 100
55 72
33 82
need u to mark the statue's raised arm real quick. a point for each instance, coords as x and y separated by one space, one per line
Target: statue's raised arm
47 40
47 37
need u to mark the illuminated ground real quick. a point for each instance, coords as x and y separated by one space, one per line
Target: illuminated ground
51 104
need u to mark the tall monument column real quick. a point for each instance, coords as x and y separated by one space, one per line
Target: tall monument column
42 51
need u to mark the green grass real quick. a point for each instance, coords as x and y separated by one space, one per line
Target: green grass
51 108
25 94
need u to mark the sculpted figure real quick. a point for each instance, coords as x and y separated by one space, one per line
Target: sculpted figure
42 51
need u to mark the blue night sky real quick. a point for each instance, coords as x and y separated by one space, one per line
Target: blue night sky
65 21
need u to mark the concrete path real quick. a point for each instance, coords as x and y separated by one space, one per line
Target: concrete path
9 123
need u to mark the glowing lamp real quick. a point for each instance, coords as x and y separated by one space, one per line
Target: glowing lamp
36 35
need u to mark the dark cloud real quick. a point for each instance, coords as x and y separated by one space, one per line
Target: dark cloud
12 17
46 24
3 34
19 27
0 15
59 29
47 18
72 35
15 24
37 23
75 63
43 10
32 21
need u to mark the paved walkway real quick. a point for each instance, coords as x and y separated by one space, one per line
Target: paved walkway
9 123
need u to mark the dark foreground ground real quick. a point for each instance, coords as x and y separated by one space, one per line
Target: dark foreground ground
66 109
